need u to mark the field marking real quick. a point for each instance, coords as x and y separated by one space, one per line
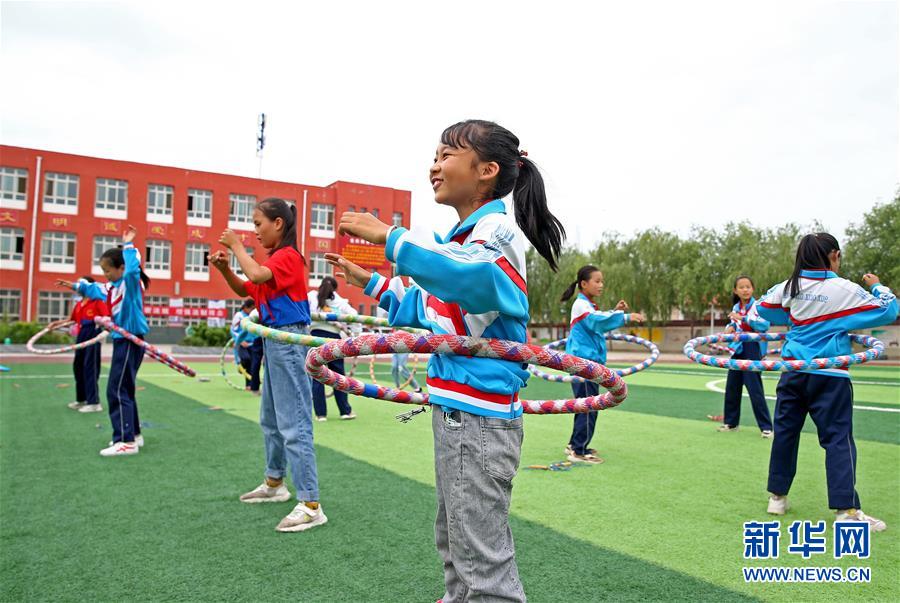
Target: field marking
713 386
773 377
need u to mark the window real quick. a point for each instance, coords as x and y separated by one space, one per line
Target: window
322 222
12 247
10 304
58 251
240 214
111 200
156 307
13 187
158 259
397 219
101 244
373 310
376 213
199 207
195 266
233 262
351 208
231 308
318 269
53 305
361 308
191 304
61 193
159 203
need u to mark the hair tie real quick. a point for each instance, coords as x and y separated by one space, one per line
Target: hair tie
523 153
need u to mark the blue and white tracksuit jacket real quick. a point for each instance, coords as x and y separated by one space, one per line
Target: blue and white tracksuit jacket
587 327
239 334
750 323
823 312
125 297
472 283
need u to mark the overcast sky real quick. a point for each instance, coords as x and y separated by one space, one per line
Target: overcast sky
640 114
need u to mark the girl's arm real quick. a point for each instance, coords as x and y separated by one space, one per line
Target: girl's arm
219 259
876 308
256 272
86 289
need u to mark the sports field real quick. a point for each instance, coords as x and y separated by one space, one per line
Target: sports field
660 520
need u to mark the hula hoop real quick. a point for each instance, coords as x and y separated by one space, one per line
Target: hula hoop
401 342
61 324
151 350
555 345
876 350
240 369
372 321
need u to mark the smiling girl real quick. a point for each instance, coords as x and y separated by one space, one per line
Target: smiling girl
587 340
469 282
278 286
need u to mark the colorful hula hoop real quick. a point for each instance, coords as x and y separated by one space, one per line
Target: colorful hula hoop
372 321
61 324
401 342
151 350
556 345
240 369
876 350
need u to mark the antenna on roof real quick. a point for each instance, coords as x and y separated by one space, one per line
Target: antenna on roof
261 139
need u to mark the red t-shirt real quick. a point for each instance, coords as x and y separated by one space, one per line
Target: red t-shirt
282 300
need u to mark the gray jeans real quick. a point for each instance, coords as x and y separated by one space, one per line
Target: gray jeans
475 460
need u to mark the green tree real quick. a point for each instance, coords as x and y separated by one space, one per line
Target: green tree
874 245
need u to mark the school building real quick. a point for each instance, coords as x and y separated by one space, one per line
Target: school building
59 212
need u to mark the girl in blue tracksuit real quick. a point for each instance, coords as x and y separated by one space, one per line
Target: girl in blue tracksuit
821 308
124 296
471 282
744 322
586 339
248 348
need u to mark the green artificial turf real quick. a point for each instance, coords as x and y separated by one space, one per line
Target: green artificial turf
660 520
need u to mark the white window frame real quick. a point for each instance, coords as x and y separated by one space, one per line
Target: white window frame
159 203
157 300
54 297
397 218
244 219
15 259
233 263
194 302
12 297
317 262
193 271
108 242
13 197
154 266
58 197
103 207
201 217
49 262
319 224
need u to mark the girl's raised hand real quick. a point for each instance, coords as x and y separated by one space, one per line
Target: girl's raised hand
870 279
365 226
65 283
219 259
351 273
229 238
622 305
735 317
129 234
637 317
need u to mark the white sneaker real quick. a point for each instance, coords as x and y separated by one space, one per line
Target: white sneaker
348 417
119 449
876 525
778 505
264 493
767 434
321 419
302 518
138 441
91 408
727 428
75 405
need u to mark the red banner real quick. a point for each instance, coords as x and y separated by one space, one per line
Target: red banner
185 312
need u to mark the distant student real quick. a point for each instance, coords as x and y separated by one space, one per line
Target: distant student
248 348
86 365
821 308
327 300
587 339
744 322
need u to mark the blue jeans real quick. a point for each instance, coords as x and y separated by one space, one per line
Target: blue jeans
399 369
285 415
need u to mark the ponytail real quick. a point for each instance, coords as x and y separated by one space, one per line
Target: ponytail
812 254
274 208
327 290
584 274
518 175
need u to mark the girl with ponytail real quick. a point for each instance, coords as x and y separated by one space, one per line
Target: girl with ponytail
587 340
278 286
469 281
